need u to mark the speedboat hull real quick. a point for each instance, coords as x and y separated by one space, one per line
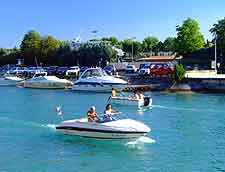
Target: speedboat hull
10 81
47 82
121 129
147 101
46 85
95 87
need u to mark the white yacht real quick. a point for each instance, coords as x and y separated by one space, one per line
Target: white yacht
116 129
41 80
97 80
10 80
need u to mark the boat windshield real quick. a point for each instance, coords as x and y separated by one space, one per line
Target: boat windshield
94 73
40 74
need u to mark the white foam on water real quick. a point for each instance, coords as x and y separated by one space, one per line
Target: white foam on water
50 126
139 143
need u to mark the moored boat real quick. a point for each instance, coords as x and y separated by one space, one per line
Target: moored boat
41 80
97 80
10 80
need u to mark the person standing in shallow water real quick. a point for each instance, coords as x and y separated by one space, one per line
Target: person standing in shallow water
113 92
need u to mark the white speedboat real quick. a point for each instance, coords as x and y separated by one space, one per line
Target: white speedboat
41 80
10 80
145 102
117 129
97 80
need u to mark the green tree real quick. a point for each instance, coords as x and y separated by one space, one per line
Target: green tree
127 46
189 37
170 44
49 46
112 40
219 30
150 44
30 46
160 46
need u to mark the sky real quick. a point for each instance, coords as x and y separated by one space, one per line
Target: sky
67 19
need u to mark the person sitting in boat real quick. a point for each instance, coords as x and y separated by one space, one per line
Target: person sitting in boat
108 113
92 115
113 93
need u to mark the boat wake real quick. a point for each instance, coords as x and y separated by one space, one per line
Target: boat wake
186 109
17 122
139 143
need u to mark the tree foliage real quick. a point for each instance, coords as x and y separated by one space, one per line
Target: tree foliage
127 46
170 44
30 46
150 44
219 30
189 37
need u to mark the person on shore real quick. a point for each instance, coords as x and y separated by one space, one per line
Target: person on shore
113 93
108 113
92 115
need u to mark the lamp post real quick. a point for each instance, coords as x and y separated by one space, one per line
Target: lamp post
132 48
215 54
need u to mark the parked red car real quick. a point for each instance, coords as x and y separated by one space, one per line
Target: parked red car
161 69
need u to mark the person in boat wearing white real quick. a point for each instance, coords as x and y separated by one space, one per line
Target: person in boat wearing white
92 115
108 113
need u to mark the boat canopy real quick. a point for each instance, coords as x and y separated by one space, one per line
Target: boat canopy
94 72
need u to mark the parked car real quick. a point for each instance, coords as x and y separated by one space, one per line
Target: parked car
161 69
110 69
74 70
61 70
144 69
130 69
17 70
30 71
51 70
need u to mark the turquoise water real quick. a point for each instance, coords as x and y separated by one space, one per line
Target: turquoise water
188 130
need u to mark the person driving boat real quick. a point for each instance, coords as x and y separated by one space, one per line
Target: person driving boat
108 112
92 115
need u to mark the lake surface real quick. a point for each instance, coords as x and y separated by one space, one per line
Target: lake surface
188 129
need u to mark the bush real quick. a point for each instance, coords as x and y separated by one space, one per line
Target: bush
179 74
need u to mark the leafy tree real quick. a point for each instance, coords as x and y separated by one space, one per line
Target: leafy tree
49 46
150 43
30 46
112 40
219 30
127 46
170 44
160 46
189 37
95 53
